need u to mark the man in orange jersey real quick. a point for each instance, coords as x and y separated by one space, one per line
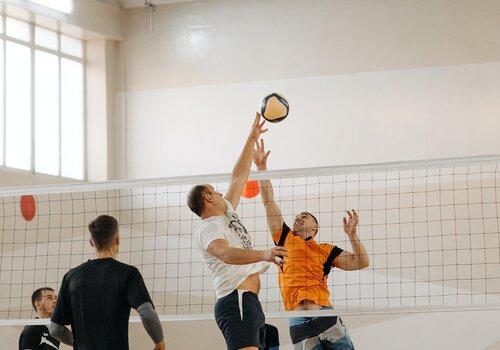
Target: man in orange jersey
303 276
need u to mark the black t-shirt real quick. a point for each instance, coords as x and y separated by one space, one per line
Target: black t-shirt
37 338
95 298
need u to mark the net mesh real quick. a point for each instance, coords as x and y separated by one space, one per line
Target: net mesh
431 230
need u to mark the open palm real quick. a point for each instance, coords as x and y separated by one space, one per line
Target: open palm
260 155
351 224
257 127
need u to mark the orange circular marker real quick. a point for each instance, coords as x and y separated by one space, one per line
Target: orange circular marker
28 207
251 189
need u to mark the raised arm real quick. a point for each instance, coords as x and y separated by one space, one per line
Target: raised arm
236 256
241 169
358 259
273 212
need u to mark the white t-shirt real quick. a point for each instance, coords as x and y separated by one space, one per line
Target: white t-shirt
226 276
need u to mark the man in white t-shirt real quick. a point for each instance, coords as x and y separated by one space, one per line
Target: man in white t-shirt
226 247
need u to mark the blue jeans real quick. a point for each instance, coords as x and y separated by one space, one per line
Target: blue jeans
319 333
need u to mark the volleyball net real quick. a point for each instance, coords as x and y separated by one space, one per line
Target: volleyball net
431 229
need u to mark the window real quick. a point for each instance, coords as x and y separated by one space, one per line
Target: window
46 38
42 90
18 106
47 113
65 6
71 119
18 29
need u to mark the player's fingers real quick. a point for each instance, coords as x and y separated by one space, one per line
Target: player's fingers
280 264
344 220
349 213
281 251
263 130
262 124
262 144
257 118
278 260
267 153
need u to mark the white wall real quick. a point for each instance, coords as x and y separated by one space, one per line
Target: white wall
367 82
100 128
223 41
339 119
12 177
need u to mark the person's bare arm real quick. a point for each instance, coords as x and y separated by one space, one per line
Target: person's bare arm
273 212
236 256
358 259
241 169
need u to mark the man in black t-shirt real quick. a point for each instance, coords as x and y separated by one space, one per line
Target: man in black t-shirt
37 337
95 298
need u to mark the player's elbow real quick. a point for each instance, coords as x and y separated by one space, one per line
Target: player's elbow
220 249
226 256
364 263
226 259
358 263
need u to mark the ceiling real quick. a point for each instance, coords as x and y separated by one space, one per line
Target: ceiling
139 3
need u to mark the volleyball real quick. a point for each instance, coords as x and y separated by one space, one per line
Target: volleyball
274 108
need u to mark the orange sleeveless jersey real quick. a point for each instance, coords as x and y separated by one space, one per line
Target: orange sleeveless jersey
302 276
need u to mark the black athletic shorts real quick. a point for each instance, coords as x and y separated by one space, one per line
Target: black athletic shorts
240 317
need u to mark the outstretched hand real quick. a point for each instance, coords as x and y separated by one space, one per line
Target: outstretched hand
351 224
260 155
257 129
275 255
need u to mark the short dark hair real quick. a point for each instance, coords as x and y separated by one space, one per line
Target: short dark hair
103 229
195 199
37 295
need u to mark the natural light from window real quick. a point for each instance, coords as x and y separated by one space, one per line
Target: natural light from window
64 6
